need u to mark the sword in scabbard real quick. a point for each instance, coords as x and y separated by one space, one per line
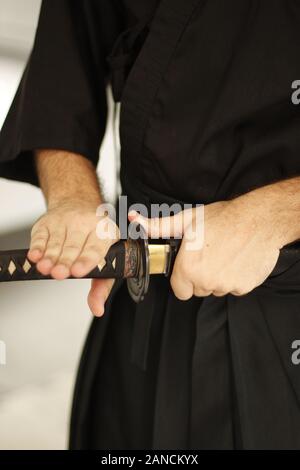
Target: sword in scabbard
134 259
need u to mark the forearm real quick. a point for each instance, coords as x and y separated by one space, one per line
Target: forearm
278 207
66 176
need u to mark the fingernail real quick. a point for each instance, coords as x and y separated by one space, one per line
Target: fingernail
77 269
34 254
46 263
100 311
35 251
133 214
61 271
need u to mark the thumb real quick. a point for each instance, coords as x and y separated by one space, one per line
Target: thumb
160 227
99 292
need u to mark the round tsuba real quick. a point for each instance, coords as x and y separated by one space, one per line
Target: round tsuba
138 285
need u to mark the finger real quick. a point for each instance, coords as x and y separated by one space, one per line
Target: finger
72 248
218 293
238 293
93 252
39 239
52 251
183 289
100 290
198 292
160 227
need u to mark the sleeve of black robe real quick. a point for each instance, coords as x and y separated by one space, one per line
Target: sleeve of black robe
61 100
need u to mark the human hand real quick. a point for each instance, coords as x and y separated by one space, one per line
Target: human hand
239 251
65 242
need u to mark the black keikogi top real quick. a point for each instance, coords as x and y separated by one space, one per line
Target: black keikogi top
206 113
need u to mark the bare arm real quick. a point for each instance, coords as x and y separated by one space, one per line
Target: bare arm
64 241
66 176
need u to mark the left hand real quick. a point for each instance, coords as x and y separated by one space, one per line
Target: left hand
65 242
240 249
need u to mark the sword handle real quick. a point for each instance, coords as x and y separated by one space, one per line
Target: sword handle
121 261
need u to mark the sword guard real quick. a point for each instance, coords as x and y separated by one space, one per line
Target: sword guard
138 286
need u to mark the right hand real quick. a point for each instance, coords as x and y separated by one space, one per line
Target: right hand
64 242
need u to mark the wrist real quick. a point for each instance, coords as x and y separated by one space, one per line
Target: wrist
276 210
73 199
67 179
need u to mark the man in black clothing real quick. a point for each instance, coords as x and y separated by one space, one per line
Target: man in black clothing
206 117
